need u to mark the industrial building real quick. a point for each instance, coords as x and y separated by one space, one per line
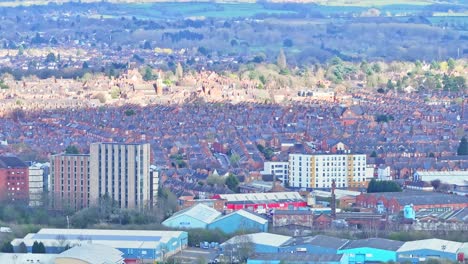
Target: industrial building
458 179
371 250
263 202
203 216
85 254
421 250
318 171
394 202
134 244
262 242
303 218
240 220
197 216
14 180
304 258
319 244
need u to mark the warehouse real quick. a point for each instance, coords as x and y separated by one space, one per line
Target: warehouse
262 202
85 254
276 258
134 244
319 244
197 216
203 216
261 242
240 221
421 250
370 250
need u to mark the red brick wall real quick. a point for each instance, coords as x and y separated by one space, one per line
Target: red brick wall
70 182
14 184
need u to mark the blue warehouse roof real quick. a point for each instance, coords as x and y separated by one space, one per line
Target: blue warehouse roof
319 241
378 243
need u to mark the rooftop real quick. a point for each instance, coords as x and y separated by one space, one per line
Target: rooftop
11 162
200 212
260 239
380 243
297 258
432 244
277 196
96 254
319 240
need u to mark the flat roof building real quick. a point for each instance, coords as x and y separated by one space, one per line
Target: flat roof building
134 244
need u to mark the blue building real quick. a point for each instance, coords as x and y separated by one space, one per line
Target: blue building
240 221
371 250
261 242
421 250
134 244
314 245
303 258
197 216
203 216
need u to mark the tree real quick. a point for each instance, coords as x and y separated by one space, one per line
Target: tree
373 154
50 57
281 60
38 248
232 182
129 112
383 186
451 64
41 248
390 85
72 150
148 75
463 147
435 184
7 247
22 248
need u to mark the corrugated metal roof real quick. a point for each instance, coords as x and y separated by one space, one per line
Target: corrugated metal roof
262 196
96 254
27 258
432 244
263 238
200 212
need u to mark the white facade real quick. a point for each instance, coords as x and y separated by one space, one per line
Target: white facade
279 169
36 186
459 178
384 173
121 171
318 171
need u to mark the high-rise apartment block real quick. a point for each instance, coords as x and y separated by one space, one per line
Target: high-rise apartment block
122 171
318 171
69 180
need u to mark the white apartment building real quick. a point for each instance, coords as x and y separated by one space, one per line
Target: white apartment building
318 171
36 185
279 169
121 171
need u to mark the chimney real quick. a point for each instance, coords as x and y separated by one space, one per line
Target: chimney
333 200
